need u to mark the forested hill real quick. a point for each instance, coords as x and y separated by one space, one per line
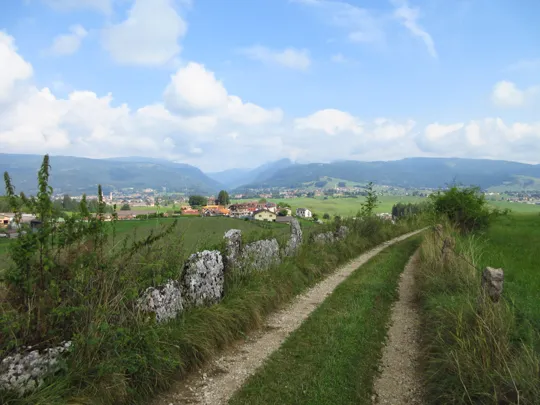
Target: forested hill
411 172
76 175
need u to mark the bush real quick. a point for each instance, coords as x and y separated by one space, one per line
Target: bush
465 207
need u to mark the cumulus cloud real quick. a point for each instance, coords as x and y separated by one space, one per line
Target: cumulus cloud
507 94
409 18
199 122
330 121
14 67
148 36
194 89
68 44
290 57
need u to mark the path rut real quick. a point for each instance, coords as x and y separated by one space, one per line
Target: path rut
216 382
400 381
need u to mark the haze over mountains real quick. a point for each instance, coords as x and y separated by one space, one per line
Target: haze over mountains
75 175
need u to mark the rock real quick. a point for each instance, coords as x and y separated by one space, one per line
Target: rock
324 238
260 255
295 240
165 301
24 372
342 232
492 282
233 247
202 280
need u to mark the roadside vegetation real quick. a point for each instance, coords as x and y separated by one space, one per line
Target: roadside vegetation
478 351
332 357
79 280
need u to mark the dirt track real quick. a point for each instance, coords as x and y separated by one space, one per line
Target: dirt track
215 383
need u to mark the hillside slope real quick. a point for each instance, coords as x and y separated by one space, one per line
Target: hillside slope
76 175
410 172
234 178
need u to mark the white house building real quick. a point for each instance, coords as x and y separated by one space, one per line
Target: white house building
303 213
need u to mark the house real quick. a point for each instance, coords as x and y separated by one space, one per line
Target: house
264 215
189 211
4 220
243 209
303 213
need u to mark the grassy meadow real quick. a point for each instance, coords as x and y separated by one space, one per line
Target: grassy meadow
330 359
477 351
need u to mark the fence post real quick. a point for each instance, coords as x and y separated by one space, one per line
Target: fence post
492 282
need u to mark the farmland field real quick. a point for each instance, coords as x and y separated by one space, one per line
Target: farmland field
512 244
196 232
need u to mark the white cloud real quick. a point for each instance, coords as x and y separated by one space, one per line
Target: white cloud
409 18
200 123
330 121
149 36
290 57
68 44
105 6
194 89
507 94
437 131
14 67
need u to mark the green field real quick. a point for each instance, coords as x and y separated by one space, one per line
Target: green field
477 351
331 358
196 232
513 244
516 207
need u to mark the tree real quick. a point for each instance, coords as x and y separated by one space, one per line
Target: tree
282 213
263 201
282 204
370 203
223 198
125 207
326 216
197 200
315 217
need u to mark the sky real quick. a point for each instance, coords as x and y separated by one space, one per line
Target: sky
234 84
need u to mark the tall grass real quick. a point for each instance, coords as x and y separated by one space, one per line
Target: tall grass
476 351
120 356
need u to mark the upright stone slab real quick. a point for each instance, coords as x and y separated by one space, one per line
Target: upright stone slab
492 282
295 240
25 372
165 301
260 255
233 247
202 280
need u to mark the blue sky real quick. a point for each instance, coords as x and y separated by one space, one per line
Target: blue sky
223 84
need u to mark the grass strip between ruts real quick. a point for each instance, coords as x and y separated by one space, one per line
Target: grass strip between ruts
332 358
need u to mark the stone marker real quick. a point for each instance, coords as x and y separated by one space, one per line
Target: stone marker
492 282
202 280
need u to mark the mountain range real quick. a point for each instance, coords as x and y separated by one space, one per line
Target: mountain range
74 175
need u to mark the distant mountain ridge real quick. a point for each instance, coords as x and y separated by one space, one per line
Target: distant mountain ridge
234 178
75 175
409 172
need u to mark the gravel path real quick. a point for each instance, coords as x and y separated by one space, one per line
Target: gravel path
217 381
400 380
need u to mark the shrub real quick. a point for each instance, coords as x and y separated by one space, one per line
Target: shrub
465 207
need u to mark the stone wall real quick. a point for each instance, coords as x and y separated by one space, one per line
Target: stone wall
331 237
260 255
201 284
25 371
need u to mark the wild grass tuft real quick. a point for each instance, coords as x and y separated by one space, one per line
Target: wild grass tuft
477 351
